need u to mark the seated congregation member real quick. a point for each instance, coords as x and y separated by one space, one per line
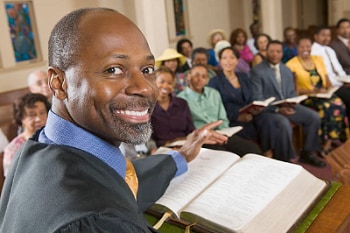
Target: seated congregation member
171 118
271 78
38 83
72 171
254 29
242 65
320 47
289 44
200 56
341 44
3 141
271 131
311 76
173 60
206 106
238 40
30 113
260 43
214 37
185 47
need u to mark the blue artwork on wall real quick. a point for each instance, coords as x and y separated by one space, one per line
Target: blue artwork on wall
179 18
20 26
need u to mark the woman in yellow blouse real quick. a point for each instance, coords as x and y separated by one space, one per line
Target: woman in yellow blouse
311 77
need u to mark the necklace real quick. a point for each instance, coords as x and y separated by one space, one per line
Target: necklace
307 65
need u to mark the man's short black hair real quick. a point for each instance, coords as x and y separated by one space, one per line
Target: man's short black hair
274 42
65 39
342 20
321 28
200 50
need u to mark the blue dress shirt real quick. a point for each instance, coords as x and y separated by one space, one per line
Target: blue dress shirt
62 132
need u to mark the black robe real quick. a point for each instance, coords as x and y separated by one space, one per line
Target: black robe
53 188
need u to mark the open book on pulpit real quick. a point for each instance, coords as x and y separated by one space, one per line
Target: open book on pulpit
225 193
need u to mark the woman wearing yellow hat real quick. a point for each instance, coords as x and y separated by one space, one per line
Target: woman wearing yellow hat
173 60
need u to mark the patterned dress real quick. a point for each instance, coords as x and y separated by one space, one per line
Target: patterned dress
334 122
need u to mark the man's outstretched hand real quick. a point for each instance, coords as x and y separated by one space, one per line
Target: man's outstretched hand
203 135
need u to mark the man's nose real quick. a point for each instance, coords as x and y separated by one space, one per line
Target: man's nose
140 85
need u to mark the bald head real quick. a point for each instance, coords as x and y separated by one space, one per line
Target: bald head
38 83
71 31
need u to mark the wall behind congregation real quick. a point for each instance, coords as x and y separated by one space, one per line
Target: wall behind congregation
150 16
205 16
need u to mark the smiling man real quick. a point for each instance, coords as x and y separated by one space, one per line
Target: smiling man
71 176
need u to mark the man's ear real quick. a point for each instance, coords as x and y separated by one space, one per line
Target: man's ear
206 81
188 76
57 82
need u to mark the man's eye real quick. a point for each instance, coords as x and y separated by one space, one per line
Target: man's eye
148 70
114 70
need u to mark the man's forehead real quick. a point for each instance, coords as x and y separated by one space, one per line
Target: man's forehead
112 31
105 22
275 47
199 69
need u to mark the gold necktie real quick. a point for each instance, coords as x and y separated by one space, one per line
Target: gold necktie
131 177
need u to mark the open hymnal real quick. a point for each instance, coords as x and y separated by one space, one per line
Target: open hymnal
257 103
325 95
226 131
292 100
344 78
225 193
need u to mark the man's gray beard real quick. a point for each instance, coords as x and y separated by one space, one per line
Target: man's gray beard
135 133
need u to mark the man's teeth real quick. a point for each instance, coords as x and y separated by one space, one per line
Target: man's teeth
133 113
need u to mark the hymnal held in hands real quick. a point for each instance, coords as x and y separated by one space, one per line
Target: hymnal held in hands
257 103
292 100
325 95
225 193
344 78
226 131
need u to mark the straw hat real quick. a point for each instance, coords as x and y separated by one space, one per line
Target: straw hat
169 54
219 46
216 31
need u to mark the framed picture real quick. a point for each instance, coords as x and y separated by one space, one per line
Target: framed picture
176 16
20 17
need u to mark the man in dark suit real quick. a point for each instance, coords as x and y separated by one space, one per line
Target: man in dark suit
341 44
273 78
71 176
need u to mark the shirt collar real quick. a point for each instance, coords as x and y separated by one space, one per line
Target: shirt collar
273 66
62 132
196 94
344 40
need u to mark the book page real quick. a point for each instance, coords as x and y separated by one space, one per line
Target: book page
295 100
244 191
202 171
230 131
293 202
257 103
326 95
226 131
344 78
